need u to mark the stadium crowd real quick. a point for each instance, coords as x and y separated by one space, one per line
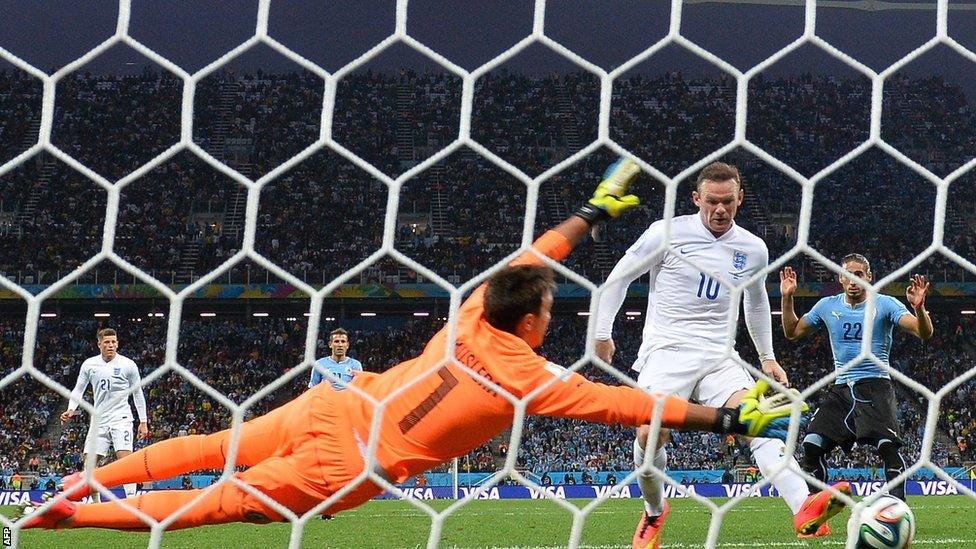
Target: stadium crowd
238 358
114 124
458 218
20 114
254 121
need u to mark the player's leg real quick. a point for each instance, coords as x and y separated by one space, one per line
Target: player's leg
829 428
671 371
122 442
298 481
259 439
876 423
724 384
651 485
102 442
225 503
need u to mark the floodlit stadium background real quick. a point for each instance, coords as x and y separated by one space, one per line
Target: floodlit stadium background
224 242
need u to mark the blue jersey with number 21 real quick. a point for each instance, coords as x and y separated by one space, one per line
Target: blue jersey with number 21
845 324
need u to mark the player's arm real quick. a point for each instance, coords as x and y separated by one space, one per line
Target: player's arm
647 250
316 375
759 322
609 200
919 324
794 328
77 394
573 396
139 398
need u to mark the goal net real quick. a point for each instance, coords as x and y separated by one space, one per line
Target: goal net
449 193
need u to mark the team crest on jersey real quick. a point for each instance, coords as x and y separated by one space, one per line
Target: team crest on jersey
738 260
116 371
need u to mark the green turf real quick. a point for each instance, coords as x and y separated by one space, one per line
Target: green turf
943 521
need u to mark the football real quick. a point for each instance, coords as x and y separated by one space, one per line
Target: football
886 523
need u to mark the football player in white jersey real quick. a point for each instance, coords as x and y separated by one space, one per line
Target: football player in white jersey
687 324
110 374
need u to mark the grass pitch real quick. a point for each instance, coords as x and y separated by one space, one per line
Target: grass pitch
943 521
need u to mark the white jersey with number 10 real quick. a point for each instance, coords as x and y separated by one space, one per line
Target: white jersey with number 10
688 304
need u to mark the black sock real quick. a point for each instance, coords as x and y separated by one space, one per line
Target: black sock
894 465
815 450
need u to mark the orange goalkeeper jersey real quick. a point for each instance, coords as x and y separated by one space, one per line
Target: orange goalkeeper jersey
448 413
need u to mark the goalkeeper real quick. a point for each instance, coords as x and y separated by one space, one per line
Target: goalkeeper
315 446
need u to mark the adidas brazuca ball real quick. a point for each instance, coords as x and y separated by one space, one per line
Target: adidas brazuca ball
887 523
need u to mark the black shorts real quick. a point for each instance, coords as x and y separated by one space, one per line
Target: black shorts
863 412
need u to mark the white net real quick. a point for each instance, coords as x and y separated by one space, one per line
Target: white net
249 246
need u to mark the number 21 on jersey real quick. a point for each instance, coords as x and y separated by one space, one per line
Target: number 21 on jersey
708 287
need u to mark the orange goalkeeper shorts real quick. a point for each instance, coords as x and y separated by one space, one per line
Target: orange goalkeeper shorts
320 459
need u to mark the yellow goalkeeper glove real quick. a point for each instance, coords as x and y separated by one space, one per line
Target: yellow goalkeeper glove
762 416
610 198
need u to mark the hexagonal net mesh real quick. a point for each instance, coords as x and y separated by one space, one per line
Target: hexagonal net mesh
464 138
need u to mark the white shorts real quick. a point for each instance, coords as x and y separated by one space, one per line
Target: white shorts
117 435
703 377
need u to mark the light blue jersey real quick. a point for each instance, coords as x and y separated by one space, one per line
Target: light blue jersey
342 370
845 324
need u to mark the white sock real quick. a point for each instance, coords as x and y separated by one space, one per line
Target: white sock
652 486
96 496
768 452
130 489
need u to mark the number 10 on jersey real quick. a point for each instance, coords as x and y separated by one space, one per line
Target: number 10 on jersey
708 287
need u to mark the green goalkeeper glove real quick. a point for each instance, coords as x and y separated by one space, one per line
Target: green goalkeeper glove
610 198
759 415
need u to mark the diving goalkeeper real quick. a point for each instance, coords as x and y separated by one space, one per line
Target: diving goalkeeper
311 448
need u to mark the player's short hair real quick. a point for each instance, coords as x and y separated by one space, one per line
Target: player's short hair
515 292
338 332
718 171
105 332
858 258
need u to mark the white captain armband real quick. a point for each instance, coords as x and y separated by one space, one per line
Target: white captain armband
561 373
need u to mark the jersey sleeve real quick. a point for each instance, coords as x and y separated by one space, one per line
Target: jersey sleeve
573 396
614 293
815 316
78 393
316 375
759 319
895 309
138 397
356 365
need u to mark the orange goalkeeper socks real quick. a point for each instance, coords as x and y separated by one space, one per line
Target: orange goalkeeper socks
216 507
163 460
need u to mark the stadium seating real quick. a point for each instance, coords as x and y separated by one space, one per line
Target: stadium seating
462 216
239 357
670 120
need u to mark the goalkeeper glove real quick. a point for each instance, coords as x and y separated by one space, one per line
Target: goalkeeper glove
610 198
759 415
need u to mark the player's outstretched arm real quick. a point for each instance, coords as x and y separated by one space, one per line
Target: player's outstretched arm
756 416
794 328
610 199
575 397
919 324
